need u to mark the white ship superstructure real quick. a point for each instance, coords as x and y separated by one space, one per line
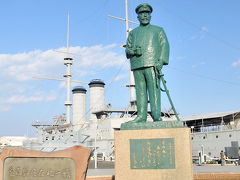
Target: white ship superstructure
94 132
216 132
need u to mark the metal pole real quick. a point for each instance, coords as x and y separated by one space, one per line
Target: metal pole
68 113
126 19
95 148
68 29
222 122
132 83
202 157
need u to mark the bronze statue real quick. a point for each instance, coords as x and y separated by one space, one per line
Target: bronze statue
148 50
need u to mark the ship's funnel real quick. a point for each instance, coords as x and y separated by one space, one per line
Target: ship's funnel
96 97
79 104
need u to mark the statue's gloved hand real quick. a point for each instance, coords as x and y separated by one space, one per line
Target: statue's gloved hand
130 52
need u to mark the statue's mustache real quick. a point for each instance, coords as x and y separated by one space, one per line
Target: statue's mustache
145 18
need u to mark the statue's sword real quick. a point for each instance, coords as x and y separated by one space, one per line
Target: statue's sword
168 95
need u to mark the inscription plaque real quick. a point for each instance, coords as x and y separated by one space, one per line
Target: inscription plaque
36 168
152 153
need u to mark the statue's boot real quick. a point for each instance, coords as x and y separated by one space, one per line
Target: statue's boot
141 111
138 119
156 114
156 120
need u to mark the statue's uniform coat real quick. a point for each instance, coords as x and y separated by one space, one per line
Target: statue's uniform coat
146 65
154 47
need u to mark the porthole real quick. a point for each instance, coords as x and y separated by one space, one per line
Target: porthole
204 137
230 135
216 136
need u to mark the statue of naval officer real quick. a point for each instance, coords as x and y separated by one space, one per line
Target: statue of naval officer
148 50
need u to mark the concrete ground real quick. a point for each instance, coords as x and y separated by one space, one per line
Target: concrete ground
216 169
104 168
107 168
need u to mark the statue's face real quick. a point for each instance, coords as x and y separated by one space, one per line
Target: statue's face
144 18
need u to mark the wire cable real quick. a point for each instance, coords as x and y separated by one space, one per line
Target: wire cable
210 34
205 77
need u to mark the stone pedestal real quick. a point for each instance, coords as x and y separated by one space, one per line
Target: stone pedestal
153 154
23 164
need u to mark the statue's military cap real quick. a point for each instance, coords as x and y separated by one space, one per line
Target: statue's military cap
143 7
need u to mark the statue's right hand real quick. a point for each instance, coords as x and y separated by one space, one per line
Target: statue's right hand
130 53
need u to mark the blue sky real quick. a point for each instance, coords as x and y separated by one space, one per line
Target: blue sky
203 75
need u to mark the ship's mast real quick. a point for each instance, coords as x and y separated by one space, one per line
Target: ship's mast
68 76
68 33
126 18
132 83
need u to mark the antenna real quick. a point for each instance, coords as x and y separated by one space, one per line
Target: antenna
68 29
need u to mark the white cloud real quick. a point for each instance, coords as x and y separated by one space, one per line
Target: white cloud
204 29
98 56
196 65
17 70
16 99
23 66
4 108
200 34
120 77
236 63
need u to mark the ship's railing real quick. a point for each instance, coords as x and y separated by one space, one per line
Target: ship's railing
212 127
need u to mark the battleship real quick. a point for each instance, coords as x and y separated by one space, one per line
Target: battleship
95 131
210 133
